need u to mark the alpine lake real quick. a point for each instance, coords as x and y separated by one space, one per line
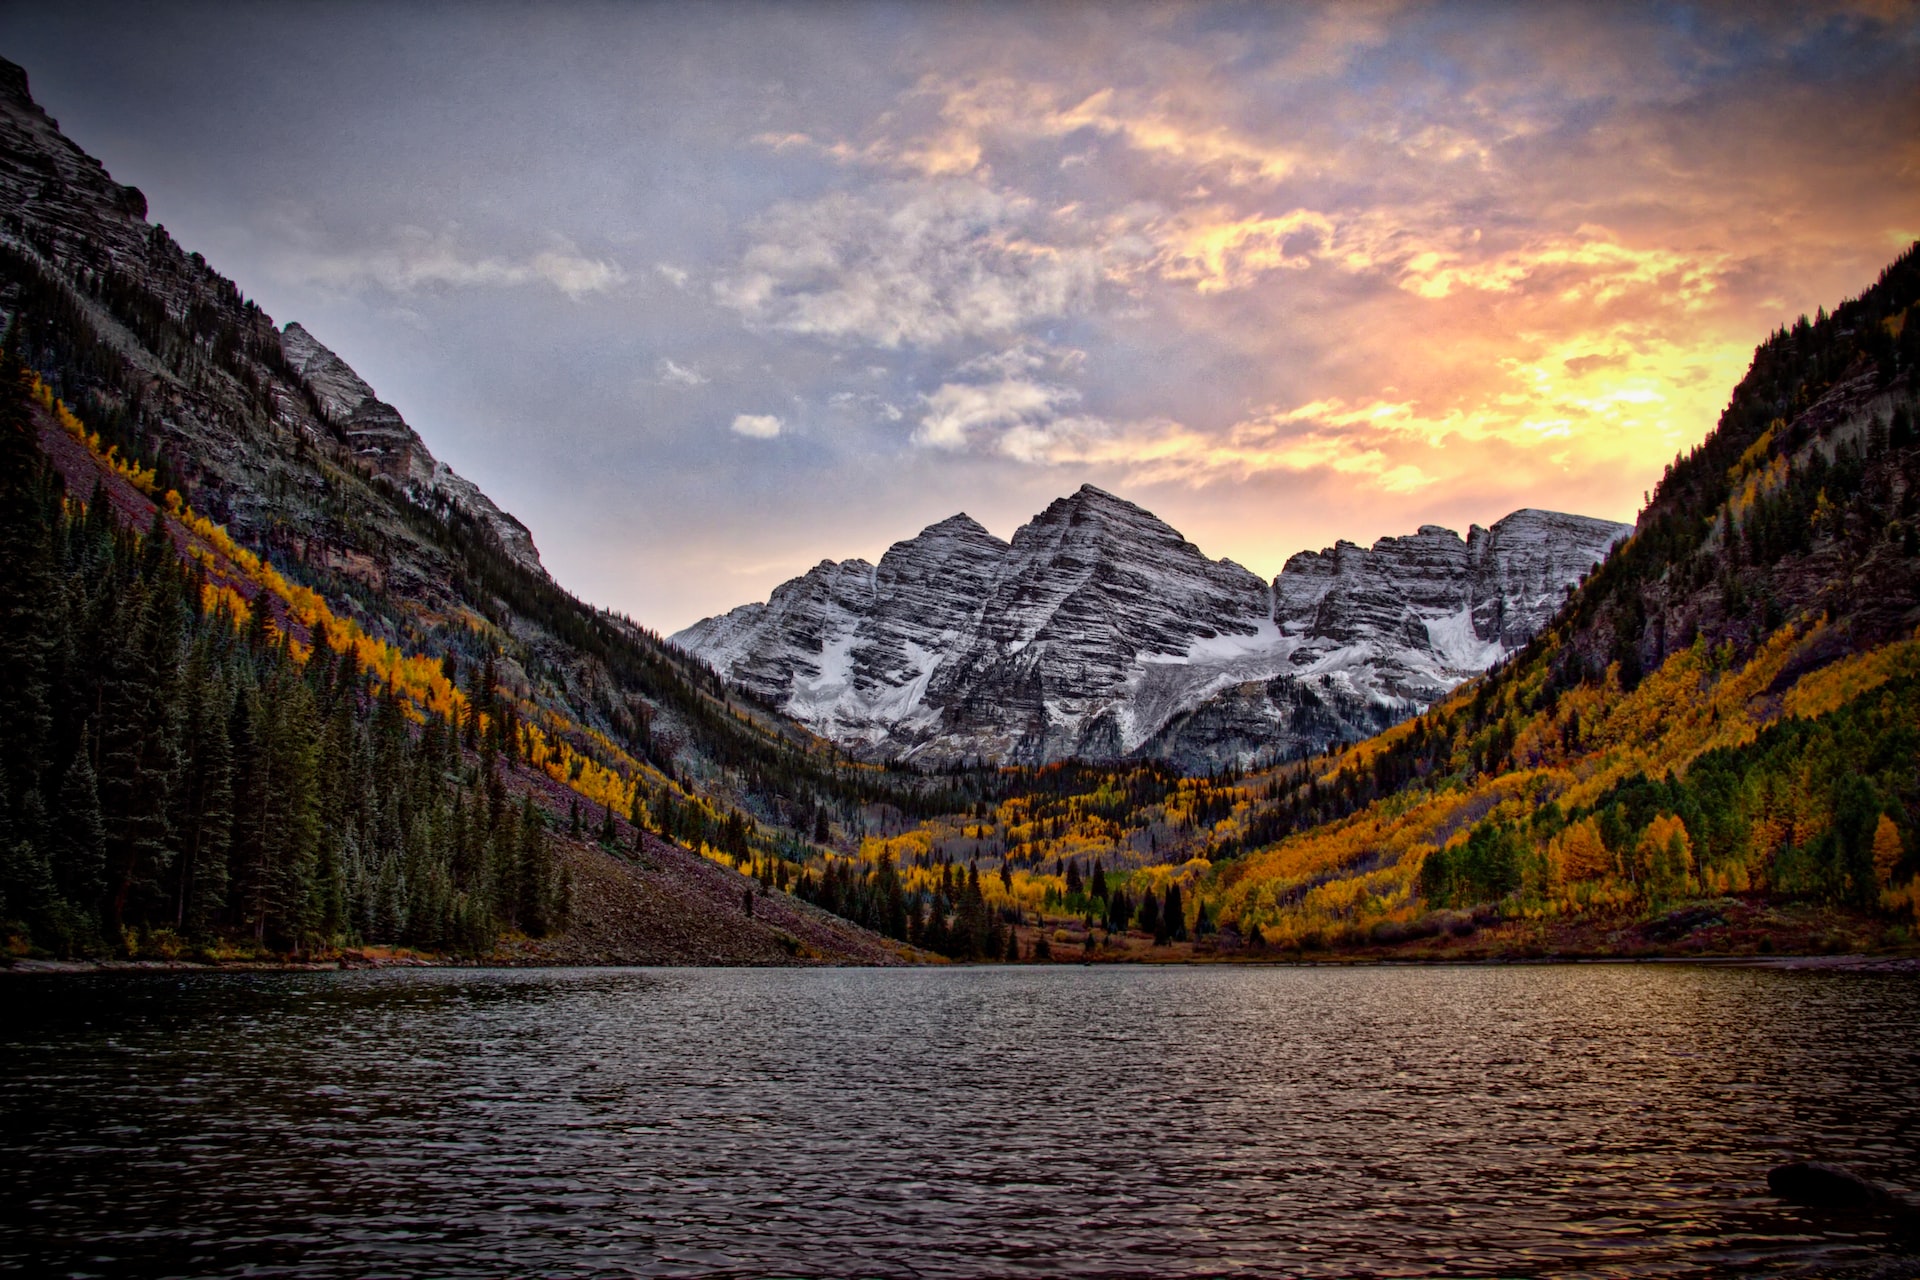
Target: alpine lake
1511 1120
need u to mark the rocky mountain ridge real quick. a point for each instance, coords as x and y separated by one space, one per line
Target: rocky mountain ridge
383 443
1099 631
66 216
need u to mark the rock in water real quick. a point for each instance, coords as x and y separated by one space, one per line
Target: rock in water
1829 1186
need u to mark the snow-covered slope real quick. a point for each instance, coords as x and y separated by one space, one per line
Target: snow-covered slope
1100 632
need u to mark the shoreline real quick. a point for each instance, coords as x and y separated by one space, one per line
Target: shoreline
1858 962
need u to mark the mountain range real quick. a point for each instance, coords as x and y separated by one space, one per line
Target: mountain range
1099 632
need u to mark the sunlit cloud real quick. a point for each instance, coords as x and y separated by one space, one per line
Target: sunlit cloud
1589 266
959 413
1216 254
1159 452
757 426
1157 127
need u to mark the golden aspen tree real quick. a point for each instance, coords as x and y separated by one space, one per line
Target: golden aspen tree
1578 854
1886 851
1664 856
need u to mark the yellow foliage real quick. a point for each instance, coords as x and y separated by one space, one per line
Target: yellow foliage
1886 850
1757 450
1834 686
1907 897
417 679
1577 854
1663 858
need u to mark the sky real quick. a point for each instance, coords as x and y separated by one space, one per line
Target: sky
706 294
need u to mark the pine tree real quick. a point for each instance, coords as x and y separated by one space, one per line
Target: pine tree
1149 918
78 849
139 753
28 895
26 592
277 816
1173 918
203 803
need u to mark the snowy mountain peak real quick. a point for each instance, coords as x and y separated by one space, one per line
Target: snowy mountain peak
1100 631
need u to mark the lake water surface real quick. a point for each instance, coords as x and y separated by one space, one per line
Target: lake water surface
1531 1120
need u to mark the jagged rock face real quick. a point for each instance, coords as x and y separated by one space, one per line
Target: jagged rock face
1522 568
65 216
385 445
54 189
1411 617
1263 719
379 437
1100 632
791 642
1090 588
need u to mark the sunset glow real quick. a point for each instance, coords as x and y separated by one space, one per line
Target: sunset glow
768 286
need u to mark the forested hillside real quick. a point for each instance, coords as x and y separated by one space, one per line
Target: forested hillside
289 562
199 774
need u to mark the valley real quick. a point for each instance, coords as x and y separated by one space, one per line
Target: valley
1555 735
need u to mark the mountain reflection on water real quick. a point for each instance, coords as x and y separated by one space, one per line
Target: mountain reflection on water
1536 1120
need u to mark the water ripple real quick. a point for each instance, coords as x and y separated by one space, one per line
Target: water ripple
1565 1121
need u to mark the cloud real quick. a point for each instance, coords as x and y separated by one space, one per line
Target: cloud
1021 359
946 153
418 260
875 406
757 426
1169 130
1217 253
1588 266
913 264
960 412
1163 451
675 374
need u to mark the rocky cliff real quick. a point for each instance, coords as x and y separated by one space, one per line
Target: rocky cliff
1100 632
382 443
139 291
